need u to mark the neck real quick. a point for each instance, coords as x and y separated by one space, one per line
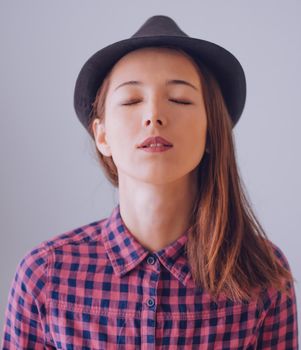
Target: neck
155 214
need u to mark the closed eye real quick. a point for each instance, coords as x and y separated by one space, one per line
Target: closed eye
172 100
181 102
130 102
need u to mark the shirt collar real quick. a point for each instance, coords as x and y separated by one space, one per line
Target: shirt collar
125 252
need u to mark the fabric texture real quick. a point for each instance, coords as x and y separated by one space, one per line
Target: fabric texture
97 287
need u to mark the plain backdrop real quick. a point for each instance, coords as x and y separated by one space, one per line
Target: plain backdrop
50 179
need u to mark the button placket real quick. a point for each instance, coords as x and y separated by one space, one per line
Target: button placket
151 301
149 309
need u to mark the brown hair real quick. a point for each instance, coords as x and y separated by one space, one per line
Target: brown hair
227 248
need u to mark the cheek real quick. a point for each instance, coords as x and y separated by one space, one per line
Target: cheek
122 135
194 133
199 135
193 142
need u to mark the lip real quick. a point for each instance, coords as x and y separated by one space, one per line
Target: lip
156 149
155 139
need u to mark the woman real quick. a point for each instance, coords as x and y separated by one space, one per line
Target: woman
181 262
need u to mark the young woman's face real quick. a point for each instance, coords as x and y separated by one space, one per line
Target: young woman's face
152 107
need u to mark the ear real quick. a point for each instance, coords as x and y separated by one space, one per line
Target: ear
100 138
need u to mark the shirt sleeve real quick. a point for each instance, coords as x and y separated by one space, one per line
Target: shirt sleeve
24 325
279 329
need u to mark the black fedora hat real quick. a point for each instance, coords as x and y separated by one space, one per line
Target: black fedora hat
157 31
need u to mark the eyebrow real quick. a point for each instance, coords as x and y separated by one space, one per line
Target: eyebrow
168 82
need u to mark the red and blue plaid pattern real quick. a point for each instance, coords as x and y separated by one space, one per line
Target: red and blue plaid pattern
97 287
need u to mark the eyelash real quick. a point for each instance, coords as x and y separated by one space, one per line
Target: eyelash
173 100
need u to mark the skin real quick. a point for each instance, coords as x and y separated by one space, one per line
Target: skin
156 190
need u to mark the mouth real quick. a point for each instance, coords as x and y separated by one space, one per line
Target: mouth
156 148
155 145
155 141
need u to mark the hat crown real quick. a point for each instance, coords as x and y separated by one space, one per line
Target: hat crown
161 30
159 26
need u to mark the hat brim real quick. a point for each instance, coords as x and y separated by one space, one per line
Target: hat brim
223 64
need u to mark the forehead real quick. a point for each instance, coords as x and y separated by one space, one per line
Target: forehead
149 60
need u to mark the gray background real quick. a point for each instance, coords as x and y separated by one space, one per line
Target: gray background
50 180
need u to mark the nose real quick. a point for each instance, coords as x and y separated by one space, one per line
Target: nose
154 114
153 120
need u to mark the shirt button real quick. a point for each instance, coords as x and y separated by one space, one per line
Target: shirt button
151 260
150 302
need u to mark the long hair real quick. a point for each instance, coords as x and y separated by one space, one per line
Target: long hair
227 249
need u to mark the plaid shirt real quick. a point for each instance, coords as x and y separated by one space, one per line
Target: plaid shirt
96 287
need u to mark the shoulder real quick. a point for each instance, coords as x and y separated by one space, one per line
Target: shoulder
279 320
32 269
280 255
273 293
81 234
